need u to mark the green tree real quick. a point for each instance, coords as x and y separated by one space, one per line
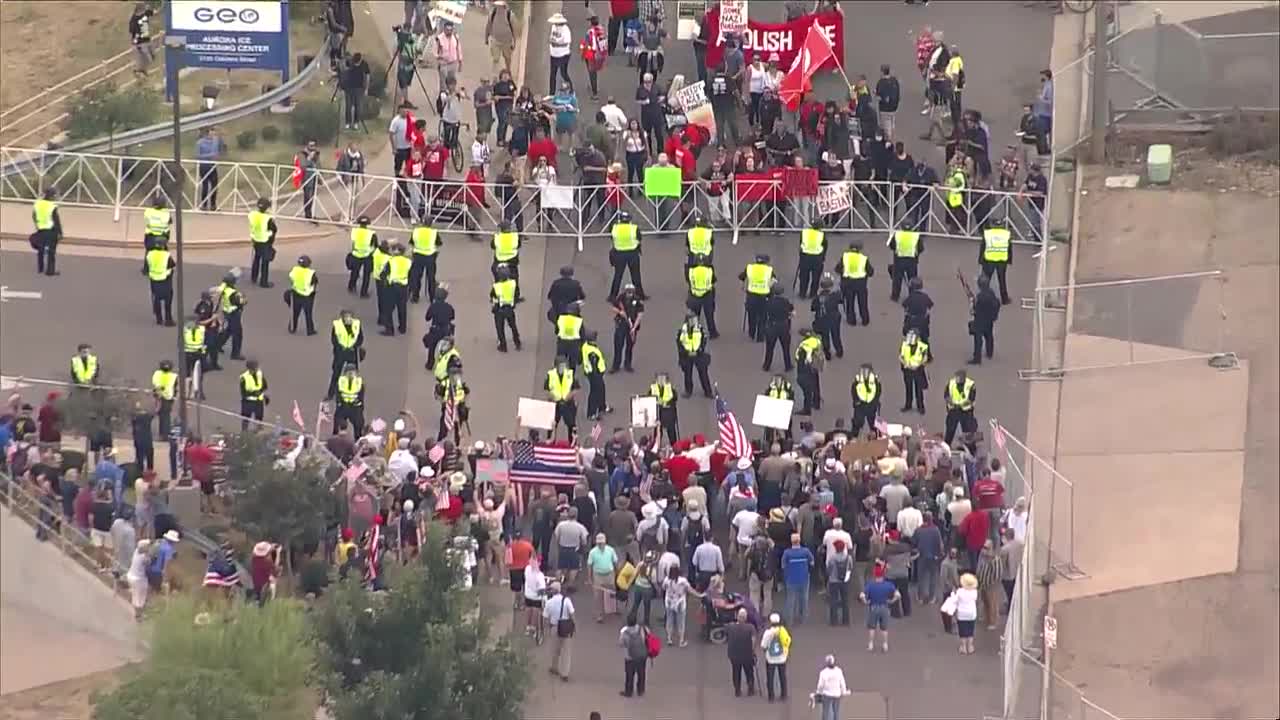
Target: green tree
236 662
98 411
289 506
105 109
420 652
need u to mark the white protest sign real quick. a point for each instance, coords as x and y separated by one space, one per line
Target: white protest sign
557 197
689 17
772 412
644 411
733 17
833 198
450 11
691 96
537 414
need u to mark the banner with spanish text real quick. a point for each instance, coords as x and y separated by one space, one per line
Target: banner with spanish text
784 38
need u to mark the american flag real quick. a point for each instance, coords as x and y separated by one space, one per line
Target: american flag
596 431
538 464
221 572
450 409
733 440
373 555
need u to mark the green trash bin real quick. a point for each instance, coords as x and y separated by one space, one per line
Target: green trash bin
1159 164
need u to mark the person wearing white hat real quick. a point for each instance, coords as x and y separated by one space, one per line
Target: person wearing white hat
159 559
263 569
559 40
776 644
137 577
411 532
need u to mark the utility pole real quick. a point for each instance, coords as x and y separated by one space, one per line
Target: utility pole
1098 90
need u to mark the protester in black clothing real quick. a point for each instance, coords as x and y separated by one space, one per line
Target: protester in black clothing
564 291
888 95
916 307
143 445
919 180
781 145
441 316
1035 188
628 310
777 327
837 133
770 110
354 80
652 120
826 306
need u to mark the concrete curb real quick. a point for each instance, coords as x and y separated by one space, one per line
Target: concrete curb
215 244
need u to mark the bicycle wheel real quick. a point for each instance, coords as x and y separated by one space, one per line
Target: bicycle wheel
540 632
456 152
1080 6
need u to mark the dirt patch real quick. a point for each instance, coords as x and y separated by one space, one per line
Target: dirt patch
47 42
66 700
1232 154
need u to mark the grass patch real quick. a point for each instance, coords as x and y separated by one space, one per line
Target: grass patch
47 42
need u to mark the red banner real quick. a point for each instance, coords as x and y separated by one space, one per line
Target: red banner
784 38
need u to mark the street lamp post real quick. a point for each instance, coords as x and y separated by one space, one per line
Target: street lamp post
178 44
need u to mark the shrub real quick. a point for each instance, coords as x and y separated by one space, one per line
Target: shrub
107 110
377 79
314 120
271 133
246 140
371 108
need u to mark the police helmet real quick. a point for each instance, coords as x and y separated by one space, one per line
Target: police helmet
816 222
166 365
441 293
915 284
590 335
762 258
263 203
911 336
624 216
49 193
158 201
504 226
503 272
826 282
349 367
362 221
304 260
697 218
229 278
251 363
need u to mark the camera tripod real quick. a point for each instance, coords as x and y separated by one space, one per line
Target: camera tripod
403 44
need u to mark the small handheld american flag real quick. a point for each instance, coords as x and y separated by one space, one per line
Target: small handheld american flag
733 439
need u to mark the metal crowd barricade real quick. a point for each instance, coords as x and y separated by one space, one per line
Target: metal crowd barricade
396 205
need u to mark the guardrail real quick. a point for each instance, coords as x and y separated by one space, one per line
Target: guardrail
393 204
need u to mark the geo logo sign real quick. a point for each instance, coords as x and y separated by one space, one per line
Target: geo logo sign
226 16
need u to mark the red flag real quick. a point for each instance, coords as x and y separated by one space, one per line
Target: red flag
815 53
297 172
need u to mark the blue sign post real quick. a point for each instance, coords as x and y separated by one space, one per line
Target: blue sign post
228 34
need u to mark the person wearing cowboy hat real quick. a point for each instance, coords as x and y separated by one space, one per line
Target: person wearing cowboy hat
559 50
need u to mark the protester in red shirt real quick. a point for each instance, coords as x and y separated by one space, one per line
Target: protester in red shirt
542 146
199 460
989 493
719 465
975 528
475 187
434 158
679 468
49 420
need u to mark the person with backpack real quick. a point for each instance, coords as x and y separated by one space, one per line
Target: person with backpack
634 639
776 644
560 615
694 529
644 588
761 569
839 573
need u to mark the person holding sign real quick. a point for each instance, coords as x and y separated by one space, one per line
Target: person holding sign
625 255
664 392
691 352
854 268
780 388
813 255
809 360
866 398
562 387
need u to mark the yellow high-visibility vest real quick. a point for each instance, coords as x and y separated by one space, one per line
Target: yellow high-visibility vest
157 220
506 245
43 211
83 369
379 261
259 231
806 349
780 390
759 278
996 245
691 338
569 327
664 392
457 389
441 370
165 384
300 279
626 237
906 243
592 358
361 242
961 398
954 67
560 385
812 241
225 292
158 265
955 193
251 382
699 240
349 388
504 293
855 265
346 338
701 280
193 339
913 360
425 241
399 273
865 386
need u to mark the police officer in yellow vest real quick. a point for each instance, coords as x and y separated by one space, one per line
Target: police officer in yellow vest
700 241
158 266
759 278
360 260
855 268
164 386
452 394
446 352
625 255
780 388
813 255
593 369
809 361
959 396
231 303
866 392
954 73
907 247
569 333
347 338
44 214
193 348
155 223
664 392
913 355
957 216
702 291
396 278
691 352
502 301
350 405
996 254
561 386
253 393
506 249
262 234
302 294
379 264
84 365
426 243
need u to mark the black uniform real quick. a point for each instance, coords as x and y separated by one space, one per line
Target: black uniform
441 315
628 309
854 291
777 330
865 412
826 320
162 294
986 310
563 292
206 312
235 327
916 306
342 356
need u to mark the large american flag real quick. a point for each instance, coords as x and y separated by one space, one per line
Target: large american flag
539 464
733 439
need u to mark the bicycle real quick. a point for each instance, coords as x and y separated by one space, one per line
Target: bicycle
453 143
